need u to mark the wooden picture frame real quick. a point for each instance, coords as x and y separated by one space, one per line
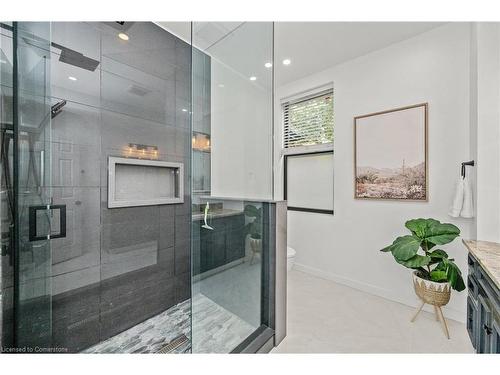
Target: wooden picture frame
391 154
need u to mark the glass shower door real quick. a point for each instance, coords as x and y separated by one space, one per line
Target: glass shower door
232 86
36 221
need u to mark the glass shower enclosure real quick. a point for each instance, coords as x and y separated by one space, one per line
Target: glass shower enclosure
232 145
136 196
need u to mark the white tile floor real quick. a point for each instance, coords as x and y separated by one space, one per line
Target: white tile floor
326 317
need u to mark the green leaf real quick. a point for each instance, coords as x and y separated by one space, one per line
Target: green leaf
455 276
415 261
251 211
387 249
439 254
440 234
405 247
426 245
441 266
419 227
438 275
423 273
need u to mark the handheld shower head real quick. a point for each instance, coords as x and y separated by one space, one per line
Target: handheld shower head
57 108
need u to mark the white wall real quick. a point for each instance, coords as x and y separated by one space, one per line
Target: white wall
432 67
241 126
487 130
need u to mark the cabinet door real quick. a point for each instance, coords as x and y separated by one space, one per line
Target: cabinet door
472 266
485 330
213 246
472 321
196 247
206 239
495 337
218 250
235 238
472 287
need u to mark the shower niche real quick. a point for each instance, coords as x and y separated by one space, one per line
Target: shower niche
139 182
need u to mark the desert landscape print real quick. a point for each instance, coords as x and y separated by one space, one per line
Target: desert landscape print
390 154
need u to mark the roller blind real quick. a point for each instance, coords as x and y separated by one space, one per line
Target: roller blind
309 121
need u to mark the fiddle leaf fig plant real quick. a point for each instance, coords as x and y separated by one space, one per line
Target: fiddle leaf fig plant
417 251
254 227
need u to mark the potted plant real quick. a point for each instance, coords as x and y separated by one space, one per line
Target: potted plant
254 228
435 273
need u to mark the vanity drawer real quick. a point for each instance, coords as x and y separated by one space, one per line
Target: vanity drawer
485 282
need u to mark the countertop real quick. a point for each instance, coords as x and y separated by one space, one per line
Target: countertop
255 200
217 213
488 256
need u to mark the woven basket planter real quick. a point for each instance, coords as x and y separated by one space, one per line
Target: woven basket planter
431 292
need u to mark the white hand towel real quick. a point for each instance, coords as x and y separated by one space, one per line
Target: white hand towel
468 203
458 199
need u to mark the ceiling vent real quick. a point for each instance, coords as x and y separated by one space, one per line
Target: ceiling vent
138 90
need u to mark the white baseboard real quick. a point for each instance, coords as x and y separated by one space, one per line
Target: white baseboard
448 312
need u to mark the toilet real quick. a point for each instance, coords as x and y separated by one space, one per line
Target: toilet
290 257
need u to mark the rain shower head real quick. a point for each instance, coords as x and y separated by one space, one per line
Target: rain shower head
76 58
57 108
120 25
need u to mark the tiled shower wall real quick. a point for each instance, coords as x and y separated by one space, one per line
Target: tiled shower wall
117 267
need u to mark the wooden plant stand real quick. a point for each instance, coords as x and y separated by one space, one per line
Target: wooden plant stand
439 317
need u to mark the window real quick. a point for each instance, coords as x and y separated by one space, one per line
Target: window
308 121
308 153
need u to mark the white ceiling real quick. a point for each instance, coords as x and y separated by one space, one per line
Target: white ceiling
179 29
311 46
316 46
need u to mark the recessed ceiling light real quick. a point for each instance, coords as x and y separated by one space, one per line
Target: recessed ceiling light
268 65
123 36
184 110
253 78
221 85
72 78
287 62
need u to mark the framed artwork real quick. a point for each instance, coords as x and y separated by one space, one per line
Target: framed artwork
390 154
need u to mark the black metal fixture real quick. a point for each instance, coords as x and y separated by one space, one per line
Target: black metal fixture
75 58
464 164
285 183
33 220
57 108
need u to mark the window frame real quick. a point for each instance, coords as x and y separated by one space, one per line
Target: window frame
309 150
285 183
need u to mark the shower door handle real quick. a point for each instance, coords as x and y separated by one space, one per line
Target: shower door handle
33 220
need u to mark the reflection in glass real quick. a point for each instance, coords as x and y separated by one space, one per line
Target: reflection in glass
232 157
32 176
7 209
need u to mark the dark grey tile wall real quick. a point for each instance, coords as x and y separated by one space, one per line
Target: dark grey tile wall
117 267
